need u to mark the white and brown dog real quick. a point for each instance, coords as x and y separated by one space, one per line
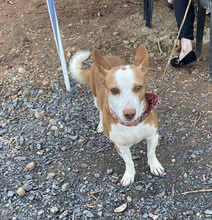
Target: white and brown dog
127 112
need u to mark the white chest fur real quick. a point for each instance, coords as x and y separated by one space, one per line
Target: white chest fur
128 136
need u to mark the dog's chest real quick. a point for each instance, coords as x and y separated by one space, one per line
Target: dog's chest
128 136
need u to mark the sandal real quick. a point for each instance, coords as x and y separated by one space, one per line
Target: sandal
187 60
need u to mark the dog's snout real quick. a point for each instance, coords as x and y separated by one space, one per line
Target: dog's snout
129 113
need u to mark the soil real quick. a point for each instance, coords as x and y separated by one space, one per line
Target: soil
29 59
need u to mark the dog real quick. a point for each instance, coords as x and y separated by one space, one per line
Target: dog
127 111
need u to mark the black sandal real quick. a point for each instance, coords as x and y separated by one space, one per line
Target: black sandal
187 60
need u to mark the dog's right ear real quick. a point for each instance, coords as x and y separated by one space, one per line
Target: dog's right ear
141 58
100 62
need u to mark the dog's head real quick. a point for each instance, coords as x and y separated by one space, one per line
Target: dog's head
124 84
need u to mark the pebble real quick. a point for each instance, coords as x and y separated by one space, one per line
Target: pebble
39 115
96 175
208 212
40 212
30 166
89 214
139 187
21 70
173 160
27 187
3 131
54 128
65 187
64 214
129 199
50 175
21 191
54 209
10 194
110 171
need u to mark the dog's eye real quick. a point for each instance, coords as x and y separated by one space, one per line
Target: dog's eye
137 88
115 91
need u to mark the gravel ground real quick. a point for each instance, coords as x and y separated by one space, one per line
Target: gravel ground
54 165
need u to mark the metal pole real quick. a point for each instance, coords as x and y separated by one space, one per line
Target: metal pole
56 31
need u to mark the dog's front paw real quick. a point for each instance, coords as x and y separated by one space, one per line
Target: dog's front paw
127 179
100 128
156 168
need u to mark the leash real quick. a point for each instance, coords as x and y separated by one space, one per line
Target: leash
173 49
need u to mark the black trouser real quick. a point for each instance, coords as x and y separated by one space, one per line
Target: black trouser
187 30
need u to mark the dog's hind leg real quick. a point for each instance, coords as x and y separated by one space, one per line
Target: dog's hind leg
155 166
129 174
100 126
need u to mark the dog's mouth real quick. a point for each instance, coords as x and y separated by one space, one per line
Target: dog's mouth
153 101
128 122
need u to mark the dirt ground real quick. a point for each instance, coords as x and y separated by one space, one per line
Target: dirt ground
115 27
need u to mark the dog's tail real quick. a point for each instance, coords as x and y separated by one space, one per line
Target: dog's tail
77 73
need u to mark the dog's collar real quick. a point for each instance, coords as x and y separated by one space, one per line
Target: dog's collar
153 101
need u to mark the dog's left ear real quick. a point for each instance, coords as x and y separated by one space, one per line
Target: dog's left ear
100 62
141 58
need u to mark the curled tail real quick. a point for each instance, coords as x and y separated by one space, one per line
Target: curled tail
77 73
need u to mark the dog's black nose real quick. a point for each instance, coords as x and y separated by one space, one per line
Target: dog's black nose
129 114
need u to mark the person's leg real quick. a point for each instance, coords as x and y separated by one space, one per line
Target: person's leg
188 27
186 34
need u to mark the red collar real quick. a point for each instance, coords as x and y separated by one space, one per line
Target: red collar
153 101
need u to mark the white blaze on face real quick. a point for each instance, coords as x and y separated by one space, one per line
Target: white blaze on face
125 82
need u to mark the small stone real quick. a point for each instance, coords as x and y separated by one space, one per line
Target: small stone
54 128
21 158
3 131
126 42
73 137
65 187
46 83
30 166
153 216
54 210
64 214
198 214
173 160
21 70
110 171
50 175
89 214
96 175
28 177
40 212
129 199
139 187
27 187
115 33
10 194
121 208
208 212
21 140
99 214
21 191
145 215
39 115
